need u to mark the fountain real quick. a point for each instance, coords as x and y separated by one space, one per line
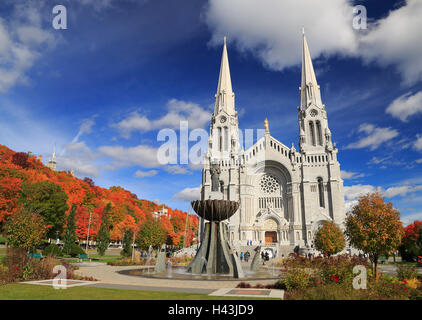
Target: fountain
215 256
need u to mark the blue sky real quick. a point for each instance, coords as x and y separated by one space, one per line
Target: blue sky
122 70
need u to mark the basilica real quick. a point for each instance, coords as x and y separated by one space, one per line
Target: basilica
284 194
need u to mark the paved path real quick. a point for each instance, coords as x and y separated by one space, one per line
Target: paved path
109 275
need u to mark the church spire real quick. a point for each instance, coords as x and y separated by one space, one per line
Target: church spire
224 98
309 90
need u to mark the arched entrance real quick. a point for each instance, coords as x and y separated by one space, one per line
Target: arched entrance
270 234
270 237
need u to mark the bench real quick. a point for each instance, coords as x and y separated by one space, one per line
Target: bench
382 260
35 255
83 256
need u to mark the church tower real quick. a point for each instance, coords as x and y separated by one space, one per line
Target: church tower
223 142
52 163
314 134
322 186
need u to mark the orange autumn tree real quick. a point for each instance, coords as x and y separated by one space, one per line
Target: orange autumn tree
18 169
329 238
374 227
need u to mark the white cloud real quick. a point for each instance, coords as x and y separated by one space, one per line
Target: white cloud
374 137
395 40
143 174
85 128
78 157
418 143
188 194
177 111
22 42
401 190
353 193
141 155
270 29
405 106
350 175
177 170
358 190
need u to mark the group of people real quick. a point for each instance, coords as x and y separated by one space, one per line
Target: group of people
265 256
245 256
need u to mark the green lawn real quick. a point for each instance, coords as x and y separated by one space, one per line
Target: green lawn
18 291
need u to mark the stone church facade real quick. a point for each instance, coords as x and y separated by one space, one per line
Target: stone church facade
284 193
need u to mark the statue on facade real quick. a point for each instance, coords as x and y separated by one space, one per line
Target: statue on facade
215 177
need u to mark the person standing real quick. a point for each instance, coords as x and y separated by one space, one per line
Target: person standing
241 256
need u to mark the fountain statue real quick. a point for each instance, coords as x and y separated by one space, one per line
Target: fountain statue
215 256
160 265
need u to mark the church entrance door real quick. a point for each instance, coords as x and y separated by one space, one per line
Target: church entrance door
270 237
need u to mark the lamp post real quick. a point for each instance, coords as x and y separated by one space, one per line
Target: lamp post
87 236
133 246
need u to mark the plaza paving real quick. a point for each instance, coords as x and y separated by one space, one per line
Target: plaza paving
110 275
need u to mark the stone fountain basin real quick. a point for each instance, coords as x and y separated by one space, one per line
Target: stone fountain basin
215 210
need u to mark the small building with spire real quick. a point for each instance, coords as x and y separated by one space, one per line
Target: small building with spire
52 162
284 194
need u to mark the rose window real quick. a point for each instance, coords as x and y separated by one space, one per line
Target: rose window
269 183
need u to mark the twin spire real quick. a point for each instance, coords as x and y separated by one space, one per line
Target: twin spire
309 90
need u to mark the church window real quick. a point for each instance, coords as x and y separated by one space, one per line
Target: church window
309 235
319 133
220 140
297 235
269 183
312 132
226 139
321 192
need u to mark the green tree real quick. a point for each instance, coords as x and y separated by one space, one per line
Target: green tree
25 230
329 238
48 200
70 237
374 227
127 243
151 233
103 237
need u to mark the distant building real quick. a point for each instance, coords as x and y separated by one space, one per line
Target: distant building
162 212
52 163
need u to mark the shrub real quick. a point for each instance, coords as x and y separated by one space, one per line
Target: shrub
406 272
329 238
52 250
129 262
4 274
75 250
16 260
297 279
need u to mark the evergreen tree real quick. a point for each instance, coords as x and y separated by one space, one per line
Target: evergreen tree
70 238
127 243
103 238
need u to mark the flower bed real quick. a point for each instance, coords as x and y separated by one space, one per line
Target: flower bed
332 279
